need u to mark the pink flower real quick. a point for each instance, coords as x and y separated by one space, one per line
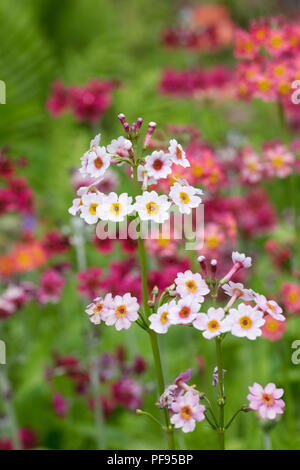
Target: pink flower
6 308
188 283
51 285
269 306
291 296
273 329
128 393
213 323
184 311
187 411
123 311
89 282
59 100
279 161
267 401
99 309
246 322
60 404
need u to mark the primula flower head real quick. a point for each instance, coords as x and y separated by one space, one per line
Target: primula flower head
267 401
188 283
160 322
151 206
122 312
269 306
187 411
245 321
185 197
213 323
273 329
185 311
158 165
177 154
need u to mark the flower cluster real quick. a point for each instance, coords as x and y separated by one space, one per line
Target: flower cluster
88 102
269 50
183 402
202 28
276 160
214 83
244 320
93 205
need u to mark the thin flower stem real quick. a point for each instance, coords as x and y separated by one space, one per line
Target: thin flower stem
145 413
221 397
6 393
233 417
152 334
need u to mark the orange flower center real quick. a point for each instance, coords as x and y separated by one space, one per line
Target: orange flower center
164 318
213 325
98 162
157 164
191 286
184 312
121 311
245 322
178 153
267 398
186 412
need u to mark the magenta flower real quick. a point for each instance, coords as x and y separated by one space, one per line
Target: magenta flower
187 411
267 401
51 285
59 404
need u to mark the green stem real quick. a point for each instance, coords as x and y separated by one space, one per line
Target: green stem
153 336
9 408
294 203
221 397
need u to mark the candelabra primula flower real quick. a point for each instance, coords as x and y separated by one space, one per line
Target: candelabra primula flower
115 208
246 321
185 197
160 321
213 323
273 329
97 162
158 165
270 307
187 411
237 289
151 206
122 312
99 308
291 296
188 283
177 154
89 208
120 147
185 311
267 401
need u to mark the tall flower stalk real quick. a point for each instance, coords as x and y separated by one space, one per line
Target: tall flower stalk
182 302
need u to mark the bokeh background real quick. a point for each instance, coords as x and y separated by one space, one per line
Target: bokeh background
51 347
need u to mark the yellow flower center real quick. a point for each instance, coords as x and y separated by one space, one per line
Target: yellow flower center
213 325
98 307
93 208
245 322
191 286
293 296
152 207
115 208
213 241
279 70
184 197
164 318
276 41
121 311
272 325
186 412
264 85
278 161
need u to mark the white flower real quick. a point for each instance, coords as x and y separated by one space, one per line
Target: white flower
99 308
188 283
246 321
124 311
185 311
178 154
269 306
144 177
151 206
158 164
160 321
237 289
242 259
184 197
89 208
97 162
119 146
115 208
76 206
213 323
94 143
